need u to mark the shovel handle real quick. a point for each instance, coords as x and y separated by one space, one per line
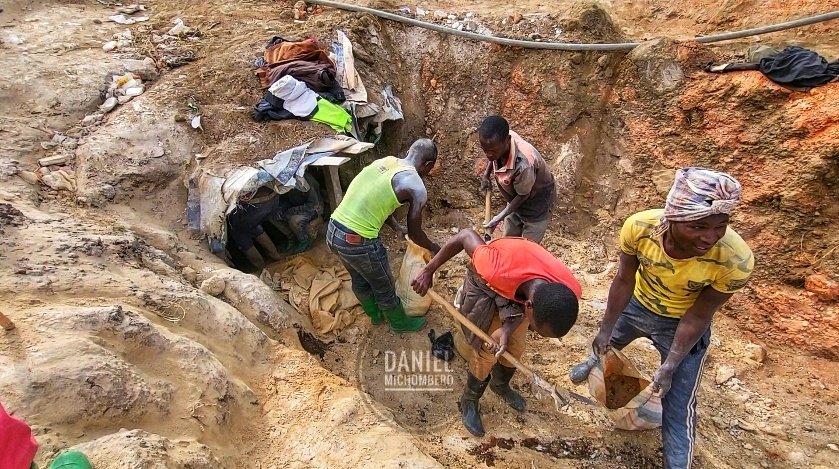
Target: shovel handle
487 214
487 207
476 330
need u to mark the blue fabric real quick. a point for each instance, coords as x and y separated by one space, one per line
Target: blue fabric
367 264
678 427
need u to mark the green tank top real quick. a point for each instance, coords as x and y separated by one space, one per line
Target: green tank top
370 199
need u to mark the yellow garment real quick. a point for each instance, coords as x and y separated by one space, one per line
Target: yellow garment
668 286
331 302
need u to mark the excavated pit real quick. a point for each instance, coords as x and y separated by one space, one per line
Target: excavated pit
118 351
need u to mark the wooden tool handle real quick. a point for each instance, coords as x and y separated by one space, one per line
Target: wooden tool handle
488 207
476 330
6 323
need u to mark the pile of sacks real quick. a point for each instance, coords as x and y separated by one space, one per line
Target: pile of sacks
324 293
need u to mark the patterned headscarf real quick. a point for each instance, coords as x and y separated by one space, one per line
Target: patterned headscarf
698 193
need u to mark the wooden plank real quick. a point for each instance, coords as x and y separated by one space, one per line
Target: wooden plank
53 160
330 161
333 187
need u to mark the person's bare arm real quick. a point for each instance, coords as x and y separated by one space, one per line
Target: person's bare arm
467 240
523 183
399 228
691 327
619 294
486 179
410 189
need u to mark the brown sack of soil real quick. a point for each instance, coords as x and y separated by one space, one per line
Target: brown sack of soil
620 387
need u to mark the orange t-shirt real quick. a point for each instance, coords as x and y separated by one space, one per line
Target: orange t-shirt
506 263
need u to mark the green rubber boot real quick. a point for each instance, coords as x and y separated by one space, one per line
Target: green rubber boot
400 322
71 460
371 309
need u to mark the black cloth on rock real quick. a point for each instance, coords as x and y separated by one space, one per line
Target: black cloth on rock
794 66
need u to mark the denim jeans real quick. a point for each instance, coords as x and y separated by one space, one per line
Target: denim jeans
246 222
678 426
366 261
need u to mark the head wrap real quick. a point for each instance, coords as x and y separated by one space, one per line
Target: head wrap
698 193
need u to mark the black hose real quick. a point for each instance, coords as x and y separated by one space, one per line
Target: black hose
566 45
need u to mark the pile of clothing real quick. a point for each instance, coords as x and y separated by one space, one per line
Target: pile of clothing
303 81
301 84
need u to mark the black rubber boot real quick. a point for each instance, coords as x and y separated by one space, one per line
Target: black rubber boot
499 382
469 407
270 248
255 258
580 371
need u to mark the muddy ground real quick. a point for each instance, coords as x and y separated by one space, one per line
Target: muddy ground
119 353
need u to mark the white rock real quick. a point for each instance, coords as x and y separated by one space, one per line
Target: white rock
797 457
179 28
724 373
108 105
833 447
91 119
134 91
124 99
213 286
109 46
440 15
122 19
756 352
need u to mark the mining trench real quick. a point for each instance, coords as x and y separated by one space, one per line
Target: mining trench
126 349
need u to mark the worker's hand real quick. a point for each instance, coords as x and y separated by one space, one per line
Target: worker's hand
486 184
501 337
600 344
400 229
490 225
662 380
423 281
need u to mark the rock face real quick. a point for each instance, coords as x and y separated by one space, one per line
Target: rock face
657 65
139 147
824 287
781 146
137 448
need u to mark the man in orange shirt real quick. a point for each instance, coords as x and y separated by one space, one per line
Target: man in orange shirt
511 283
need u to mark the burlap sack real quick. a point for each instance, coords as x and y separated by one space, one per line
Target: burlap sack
414 260
620 387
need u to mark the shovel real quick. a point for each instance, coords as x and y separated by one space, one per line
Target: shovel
487 215
537 380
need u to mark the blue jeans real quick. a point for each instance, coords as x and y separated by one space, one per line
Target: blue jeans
366 261
678 426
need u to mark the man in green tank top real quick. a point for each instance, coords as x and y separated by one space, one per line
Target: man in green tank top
353 231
